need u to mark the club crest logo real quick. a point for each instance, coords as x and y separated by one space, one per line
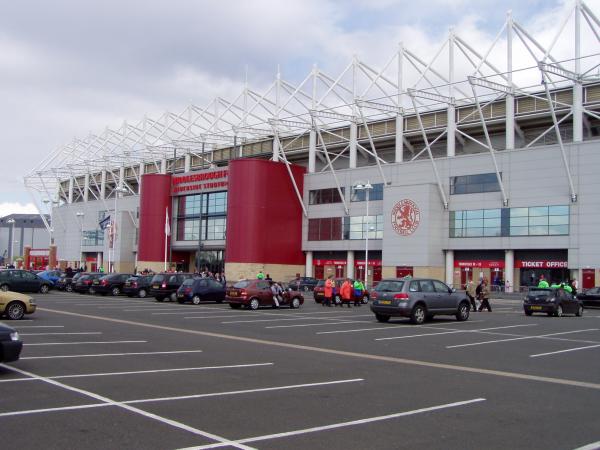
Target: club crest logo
406 217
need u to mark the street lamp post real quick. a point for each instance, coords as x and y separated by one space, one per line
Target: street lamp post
80 215
12 239
52 203
366 187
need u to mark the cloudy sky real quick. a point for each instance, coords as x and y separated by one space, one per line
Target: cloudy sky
70 67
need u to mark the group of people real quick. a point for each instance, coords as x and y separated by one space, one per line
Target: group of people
350 292
480 292
570 287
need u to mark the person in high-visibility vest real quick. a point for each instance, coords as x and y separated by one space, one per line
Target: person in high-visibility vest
359 289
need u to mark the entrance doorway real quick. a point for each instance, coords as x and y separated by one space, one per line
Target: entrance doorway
588 278
466 275
319 272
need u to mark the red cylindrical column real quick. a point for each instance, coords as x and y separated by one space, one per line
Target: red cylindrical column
264 216
155 200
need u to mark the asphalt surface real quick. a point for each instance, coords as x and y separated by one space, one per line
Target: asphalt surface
115 372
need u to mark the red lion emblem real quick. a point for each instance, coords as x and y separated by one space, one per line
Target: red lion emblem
405 217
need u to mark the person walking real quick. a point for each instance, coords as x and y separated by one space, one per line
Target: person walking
359 289
275 293
260 275
346 292
470 289
543 283
485 296
328 291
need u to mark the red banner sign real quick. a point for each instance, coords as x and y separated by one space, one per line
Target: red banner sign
329 262
372 262
483 264
199 181
541 264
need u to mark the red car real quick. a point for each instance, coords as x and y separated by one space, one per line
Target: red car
256 293
319 292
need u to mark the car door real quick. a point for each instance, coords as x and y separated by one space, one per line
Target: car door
430 296
570 304
31 282
264 293
201 289
217 291
446 298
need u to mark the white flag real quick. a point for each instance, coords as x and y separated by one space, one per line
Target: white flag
167 226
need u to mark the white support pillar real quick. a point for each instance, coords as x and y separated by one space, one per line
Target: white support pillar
99 261
71 190
352 147
309 264
451 134
163 166
141 172
312 151
275 150
121 183
86 187
103 185
350 264
510 99
187 162
577 87
509 270
399 138
449 267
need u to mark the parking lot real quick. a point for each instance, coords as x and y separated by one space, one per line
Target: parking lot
118 372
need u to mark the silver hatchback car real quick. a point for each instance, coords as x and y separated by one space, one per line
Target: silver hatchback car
417 298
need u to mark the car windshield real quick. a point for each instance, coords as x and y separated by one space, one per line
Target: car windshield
536 292
242 284
188 282
321 283
158 278
389 286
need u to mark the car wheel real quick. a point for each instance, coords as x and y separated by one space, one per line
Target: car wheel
579 312
15 311
254 304
173 297
418 315
196 300
365 299
528 313
463 312
115 291
295 304
235 305
382 318
142 293
4 287
44 288
559 311
159 299
69 288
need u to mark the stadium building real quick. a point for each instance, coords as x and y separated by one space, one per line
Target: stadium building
458 166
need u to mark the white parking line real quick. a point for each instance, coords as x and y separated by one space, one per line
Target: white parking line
277 319
88 342
317 324
138 372
18 327
454 331
129 408
96 355
57 334
395 327
338 425
564 351
520 338
592 446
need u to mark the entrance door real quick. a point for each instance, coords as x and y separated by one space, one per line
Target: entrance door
359 273
588 278
319 272
466 275
497 279
376 274
339 271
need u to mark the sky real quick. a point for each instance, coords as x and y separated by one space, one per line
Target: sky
71 67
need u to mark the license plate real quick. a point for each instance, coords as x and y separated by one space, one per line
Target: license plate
385 302
180 295
233 294
96 282
155 286
536 308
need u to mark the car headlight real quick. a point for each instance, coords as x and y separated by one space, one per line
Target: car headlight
14 336
551 300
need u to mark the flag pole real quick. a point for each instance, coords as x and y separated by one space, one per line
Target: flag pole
166 233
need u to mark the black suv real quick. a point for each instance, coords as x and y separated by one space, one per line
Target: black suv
66 283
84 282
201 289
17 280
165 285
110 284
417 298
303 283
137 285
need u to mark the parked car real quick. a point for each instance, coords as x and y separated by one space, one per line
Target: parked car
590 297
319 292
66 283
303 283
23 281
110 284
417 298
50 275
15 305
10 344
199 290
256 293
84 282
137 286
552 301
165 285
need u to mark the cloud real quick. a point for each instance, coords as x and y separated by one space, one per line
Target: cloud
7 208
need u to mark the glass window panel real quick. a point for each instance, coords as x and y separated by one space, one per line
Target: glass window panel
519 221
495 231
473 232
456 232
519 212
558 229
475 214
474 223
538 220
558 210
458 223
491 213
558 220
491 222
519 231
538 211
538 230
356 234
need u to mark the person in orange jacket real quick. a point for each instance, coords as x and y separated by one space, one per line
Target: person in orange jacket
328 290
346 292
